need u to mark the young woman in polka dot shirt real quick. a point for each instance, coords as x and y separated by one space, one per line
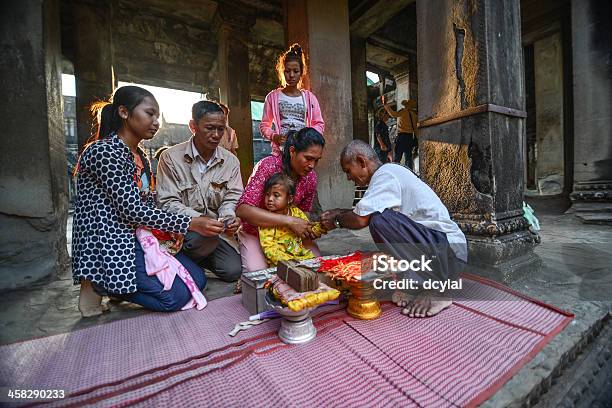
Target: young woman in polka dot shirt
114 197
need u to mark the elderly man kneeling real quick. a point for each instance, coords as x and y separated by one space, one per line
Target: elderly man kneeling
406 219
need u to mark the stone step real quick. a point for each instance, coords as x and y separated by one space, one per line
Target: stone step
599 218
588 381
553 377
591 195
591 207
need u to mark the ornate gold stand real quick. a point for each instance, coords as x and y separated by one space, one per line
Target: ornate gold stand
362 303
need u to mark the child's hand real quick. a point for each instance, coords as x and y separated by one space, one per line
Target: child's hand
318 230
310 233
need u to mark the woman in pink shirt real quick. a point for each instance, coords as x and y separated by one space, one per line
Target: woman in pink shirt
290 107
300 156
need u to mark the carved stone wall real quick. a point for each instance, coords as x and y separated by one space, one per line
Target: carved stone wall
33 208
471 103
154 45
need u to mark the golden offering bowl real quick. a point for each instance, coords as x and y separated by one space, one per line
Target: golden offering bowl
362 303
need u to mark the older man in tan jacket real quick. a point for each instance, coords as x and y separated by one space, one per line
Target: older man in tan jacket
197 177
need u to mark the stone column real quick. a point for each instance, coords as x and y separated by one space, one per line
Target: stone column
548 74
93 56
33 167
322 28
233 27
471 117
592 42
359 89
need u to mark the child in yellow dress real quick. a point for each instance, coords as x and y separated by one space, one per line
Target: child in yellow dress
279 243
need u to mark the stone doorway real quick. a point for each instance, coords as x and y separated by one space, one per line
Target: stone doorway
548 80
545 165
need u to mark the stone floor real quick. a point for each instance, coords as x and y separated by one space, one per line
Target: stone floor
576 276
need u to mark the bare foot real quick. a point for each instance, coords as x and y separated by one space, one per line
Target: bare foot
400 298
90 303
90 310
426 306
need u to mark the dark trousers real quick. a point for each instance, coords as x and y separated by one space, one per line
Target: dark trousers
405 144
402 238
214 254
150 291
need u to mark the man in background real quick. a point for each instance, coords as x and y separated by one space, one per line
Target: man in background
229 141
382 145
406 142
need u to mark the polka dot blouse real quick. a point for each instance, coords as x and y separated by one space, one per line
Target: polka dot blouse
108 209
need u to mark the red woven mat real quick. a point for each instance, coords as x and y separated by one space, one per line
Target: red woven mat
457 358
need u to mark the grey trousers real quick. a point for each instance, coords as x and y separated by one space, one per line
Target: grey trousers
214 254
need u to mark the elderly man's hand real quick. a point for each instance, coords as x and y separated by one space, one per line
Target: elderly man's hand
328 218
328 224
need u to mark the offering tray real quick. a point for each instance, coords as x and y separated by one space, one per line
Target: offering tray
296 326
362 303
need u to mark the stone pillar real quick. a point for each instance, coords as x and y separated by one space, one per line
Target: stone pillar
33 168
359 88
471 117
322 28
233 27
592 42
548 74
93 56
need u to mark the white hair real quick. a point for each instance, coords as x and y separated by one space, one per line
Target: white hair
358 147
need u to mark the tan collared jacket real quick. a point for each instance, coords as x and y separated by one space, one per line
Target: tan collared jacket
181 188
